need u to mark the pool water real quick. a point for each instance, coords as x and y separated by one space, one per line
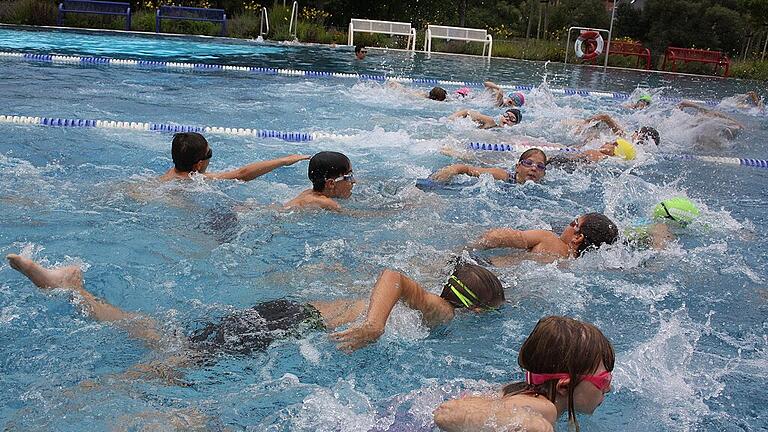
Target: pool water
688 323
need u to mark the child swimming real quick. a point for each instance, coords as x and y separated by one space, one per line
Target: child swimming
531 166
510 117
331 177
568 367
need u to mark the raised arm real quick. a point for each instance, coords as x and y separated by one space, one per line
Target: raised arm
609 121
446 173
498 93
256 169
391 287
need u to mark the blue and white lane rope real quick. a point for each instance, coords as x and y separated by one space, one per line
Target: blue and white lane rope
53 58
757 163
167 127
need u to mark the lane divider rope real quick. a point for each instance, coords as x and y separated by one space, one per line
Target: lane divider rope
167 127
757 163
70 59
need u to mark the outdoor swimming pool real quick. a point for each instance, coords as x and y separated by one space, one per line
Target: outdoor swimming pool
688 323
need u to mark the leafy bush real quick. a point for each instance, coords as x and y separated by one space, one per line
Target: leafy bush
28 12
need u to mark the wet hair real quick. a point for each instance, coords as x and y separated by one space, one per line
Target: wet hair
484 284
187 149
438 94
327 165
517 113
359 48
647 132
597 229
526 154
562 345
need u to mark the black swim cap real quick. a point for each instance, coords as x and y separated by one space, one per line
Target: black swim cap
647 132
327 165
517 113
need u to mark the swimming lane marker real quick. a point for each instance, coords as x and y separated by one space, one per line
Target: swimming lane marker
52 58
167 127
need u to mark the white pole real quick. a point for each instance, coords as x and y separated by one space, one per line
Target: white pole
764 46
610 33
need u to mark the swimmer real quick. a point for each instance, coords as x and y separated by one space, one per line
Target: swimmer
750 100
656 234
514 99
510 117
731 128
532 166
192 154
360 52
647 135
331 177
436 93
644 101
568 367
592 126
244 332
584 233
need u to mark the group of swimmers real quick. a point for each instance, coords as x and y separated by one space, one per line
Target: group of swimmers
568 363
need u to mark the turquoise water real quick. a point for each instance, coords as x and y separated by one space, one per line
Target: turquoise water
688 323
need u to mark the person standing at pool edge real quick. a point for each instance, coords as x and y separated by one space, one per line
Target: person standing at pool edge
568 367
191 153
331 177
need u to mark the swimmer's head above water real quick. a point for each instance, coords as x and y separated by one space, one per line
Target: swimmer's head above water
511 117
190 152
514 99
589 231
678 209
438 94
532 166
619 148
473 287
646 134
331 174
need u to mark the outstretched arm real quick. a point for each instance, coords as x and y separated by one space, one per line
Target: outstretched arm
512 238
391 287
446 173
256 169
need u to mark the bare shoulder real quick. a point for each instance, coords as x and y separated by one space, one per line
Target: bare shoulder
308 199
494 413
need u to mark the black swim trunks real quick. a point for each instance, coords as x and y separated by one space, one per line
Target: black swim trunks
254 329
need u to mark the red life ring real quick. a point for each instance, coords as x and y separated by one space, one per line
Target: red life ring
594 45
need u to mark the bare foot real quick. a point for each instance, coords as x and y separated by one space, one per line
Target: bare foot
66 277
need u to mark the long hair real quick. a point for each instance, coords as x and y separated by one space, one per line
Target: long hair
562 345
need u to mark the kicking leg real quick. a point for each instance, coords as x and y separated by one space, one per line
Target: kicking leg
71 278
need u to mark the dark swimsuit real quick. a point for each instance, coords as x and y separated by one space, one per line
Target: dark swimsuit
254 329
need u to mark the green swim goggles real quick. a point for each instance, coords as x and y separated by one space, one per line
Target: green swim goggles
465 300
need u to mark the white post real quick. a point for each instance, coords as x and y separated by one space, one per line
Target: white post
610 34
294 22
765 46
350 37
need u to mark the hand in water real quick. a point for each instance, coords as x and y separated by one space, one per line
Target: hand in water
357 337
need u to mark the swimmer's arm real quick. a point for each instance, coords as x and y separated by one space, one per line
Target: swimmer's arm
660 236
484 120
391 287
446 173
608 120
512 238
256 169
459 114
487 414
496 90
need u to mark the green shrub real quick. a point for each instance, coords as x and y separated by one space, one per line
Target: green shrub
245 25
28 12
751 69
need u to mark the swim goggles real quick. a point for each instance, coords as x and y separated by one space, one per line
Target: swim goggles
207 155
348 177
529 163
511 117
602 380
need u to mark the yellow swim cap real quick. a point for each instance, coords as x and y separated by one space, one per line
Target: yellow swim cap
625 150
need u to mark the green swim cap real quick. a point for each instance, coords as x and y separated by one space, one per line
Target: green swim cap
645 98
678 209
